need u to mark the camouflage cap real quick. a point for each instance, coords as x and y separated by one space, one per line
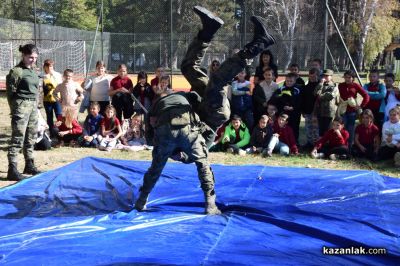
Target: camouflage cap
328 72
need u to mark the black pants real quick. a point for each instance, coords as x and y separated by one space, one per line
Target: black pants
386 152
369 153
123 104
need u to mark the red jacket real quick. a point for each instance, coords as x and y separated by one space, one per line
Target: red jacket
350 90
286 136
76 128
333 139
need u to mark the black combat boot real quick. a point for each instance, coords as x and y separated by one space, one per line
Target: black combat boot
13 174
30 168
141 202
261 40
211 208
211 23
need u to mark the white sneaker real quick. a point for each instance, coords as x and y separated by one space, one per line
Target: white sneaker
230 150
242 152
332 157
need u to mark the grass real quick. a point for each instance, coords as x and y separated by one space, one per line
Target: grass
48 160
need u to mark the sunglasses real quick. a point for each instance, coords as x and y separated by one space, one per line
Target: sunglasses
215 64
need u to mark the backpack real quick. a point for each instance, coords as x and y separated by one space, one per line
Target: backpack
12 81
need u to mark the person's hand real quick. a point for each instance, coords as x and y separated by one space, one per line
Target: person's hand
63 133
226 139
254 149
58 123
389 138
314 152
276 135
337 131
288 108
88 138
362 148
124 90
322 80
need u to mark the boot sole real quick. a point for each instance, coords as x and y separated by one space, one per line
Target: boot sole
259 21
201 11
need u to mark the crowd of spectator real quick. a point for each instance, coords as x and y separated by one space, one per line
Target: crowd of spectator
265 116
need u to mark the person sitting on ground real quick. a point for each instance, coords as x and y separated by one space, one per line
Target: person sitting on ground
68 128
334 143
43 141
366 140
327 100
110 129
241 99
272 113
260 137
295 69
91 136
282 140
288 100
71 93
392 96
133 138
262 93
236 137
390 143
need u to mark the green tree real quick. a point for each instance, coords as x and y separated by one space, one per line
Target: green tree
74 14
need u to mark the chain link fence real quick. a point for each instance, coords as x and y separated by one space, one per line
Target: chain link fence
147 34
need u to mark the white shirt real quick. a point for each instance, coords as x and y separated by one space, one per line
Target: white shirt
392 129
268 89
100 88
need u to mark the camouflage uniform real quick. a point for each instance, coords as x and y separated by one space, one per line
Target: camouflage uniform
177 127
214 109
22 96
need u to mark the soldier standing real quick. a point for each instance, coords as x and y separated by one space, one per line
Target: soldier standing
22 94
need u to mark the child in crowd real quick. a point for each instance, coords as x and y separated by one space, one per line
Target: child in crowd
295 69
97 88
71 93
51 79
390 143
334 143
392 96
327 100
133 137
91 136
317 63
217 143
308 101
377 93
111 130
120 92
236 136
260 137
159 73
287 99
366 140
348 91
272 112
43 141
241 99
282 140
262 93
143 93
266 59
68 128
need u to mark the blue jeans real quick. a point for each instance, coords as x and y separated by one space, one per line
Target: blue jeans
278 146
349 120
50 108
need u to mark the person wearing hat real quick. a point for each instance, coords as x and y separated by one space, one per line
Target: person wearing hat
327 100
348 91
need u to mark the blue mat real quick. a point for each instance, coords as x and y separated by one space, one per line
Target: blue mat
81 214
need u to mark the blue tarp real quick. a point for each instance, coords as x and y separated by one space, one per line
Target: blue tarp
81 214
